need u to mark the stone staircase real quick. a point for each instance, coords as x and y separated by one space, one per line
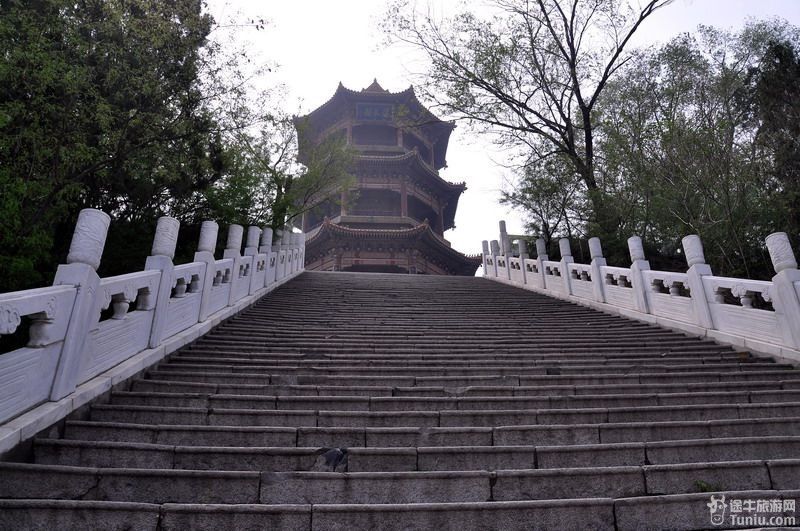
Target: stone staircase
365 401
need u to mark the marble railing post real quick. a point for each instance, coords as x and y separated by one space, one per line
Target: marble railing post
302 264
251 249
566 259
266 240
206 246
698 268
85 251
161 255
598 261
233 249
785 294
522 246
542 257
505 249
485 253
295 251
638 264
251 246
287 244
504 241
280 253
266 248
494 247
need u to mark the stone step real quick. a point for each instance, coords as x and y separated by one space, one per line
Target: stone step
464 359
456 368
666 512
143 385
476 418
442 348
72 515
543 435
686 363
34 481
434 458
412 403
401 380
663 341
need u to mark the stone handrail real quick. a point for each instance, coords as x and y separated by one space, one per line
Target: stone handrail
87 333
762 316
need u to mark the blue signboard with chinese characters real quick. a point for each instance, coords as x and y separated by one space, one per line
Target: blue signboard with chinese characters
374 112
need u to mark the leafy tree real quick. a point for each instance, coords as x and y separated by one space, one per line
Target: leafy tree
554 203
267 185
101 106
684 143
533 74
776 95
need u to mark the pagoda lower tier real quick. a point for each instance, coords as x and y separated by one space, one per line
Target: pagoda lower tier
415 250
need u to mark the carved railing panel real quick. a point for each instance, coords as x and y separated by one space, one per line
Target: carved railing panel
742 307
581 280
27 373
130 300
668 295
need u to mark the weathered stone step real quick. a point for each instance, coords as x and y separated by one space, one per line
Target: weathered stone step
388 403
302 487
143 385
547 435
263 331
312 368
73 515
248 336
481 358
467 380
433 458
665 512
565 366
236 359
555 345
473 418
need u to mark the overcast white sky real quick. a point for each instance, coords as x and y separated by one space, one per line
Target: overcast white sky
318 43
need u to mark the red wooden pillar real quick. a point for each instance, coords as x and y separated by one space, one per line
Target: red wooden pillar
403 198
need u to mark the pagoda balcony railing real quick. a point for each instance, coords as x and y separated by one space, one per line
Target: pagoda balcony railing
85 333
375 213
762 316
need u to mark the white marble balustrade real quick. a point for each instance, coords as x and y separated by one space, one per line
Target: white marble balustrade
86 333
763 316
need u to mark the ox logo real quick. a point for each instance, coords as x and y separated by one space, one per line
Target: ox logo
717 508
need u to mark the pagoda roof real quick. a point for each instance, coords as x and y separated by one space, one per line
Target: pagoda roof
421 235
415 116
374 87
413 166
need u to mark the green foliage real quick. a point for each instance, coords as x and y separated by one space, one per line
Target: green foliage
532 75
100 106
689 143
702 486
551 195
776 93
137 108
267 185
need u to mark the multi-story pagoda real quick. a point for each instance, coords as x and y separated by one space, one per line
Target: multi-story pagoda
393 220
